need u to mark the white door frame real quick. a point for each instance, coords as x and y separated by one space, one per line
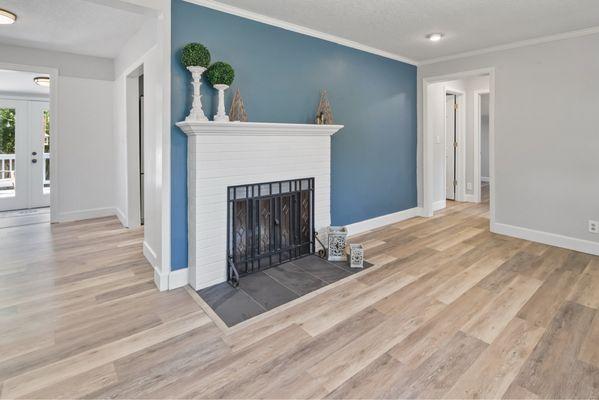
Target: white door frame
460 173
54 139
428 140
477 142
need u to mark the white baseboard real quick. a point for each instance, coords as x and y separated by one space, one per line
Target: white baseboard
485 179
470 198
121 216
178 278
373 223
552 239
85 214
150 254
165 280
439 205
161 280
171 280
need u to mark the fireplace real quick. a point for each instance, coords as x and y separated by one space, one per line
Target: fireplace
224 155
268 224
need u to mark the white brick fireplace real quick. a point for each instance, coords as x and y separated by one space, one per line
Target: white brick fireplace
223 154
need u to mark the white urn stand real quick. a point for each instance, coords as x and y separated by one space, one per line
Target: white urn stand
221 115
196 113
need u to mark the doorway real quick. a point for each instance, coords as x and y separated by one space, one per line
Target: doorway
134 87
443 127
24 152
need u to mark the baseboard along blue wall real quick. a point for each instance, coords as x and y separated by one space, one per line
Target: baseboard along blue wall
280 75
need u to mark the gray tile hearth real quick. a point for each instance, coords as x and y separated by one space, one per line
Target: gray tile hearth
268 289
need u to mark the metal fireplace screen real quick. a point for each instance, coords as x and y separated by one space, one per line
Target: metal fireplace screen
268 224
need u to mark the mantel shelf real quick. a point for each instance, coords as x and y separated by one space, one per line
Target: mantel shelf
193 128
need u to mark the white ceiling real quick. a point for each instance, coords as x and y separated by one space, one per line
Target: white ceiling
89 27
400 26
21 83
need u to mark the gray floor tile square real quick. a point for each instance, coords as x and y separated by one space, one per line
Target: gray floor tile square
230 304
265 290
295 278
322 269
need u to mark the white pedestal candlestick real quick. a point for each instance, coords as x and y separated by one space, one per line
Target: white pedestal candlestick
196 113
221 114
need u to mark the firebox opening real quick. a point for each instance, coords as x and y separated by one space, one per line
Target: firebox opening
268 224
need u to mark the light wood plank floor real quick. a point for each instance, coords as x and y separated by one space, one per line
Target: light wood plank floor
449 310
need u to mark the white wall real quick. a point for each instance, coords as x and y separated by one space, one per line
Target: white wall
546 141
136 47
436 123
150 47
68 64
135 53
85 161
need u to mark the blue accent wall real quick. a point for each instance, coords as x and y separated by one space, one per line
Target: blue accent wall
280 75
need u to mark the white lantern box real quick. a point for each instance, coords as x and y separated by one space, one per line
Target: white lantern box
337 236
356 256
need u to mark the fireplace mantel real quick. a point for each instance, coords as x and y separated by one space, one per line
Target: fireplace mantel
224 154
255 128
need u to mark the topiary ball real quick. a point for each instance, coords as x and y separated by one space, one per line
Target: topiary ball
220 73
195 55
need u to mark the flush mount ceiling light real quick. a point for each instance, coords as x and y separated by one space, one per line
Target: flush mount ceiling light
434 37
42 81
6 17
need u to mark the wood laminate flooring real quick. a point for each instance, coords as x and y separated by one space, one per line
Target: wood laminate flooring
449 310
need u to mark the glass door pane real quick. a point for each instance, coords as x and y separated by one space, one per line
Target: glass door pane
39 154
46 139
7 152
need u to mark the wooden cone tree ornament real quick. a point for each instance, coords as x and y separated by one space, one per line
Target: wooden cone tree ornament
324 113
237 112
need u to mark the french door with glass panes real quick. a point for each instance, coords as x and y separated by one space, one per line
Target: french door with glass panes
24 154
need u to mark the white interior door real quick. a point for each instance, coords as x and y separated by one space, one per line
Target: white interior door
22 161
39 153
450 147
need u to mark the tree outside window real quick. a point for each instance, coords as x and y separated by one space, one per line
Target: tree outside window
7 130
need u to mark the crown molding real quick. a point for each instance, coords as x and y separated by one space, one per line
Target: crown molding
515 45
215 5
